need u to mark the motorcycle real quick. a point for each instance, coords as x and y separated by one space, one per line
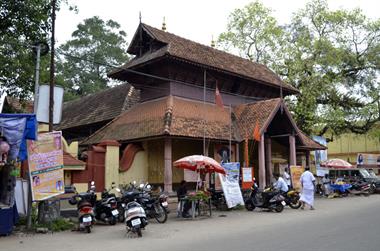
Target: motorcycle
106 209
218 199
267 199
135 218
292 199
361 187
153 207
85 210
121 206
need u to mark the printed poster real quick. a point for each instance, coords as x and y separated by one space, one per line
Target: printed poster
247 179
230 184
45 159
295 174
368 160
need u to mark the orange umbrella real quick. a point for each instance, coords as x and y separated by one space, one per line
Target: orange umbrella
199 163
336 163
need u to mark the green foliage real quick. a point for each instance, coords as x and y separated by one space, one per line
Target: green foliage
22 23
84 61
332 57
200 195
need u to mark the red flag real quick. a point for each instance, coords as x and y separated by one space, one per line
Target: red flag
256 132
218 97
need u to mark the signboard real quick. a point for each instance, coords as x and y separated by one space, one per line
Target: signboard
295 174
43 104
45 159
247 177
230 184
368 160
320 156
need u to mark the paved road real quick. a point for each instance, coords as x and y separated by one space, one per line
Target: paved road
338 224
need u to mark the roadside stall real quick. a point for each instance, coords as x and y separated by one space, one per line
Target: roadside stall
201 165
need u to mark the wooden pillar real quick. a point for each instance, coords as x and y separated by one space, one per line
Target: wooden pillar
268 160
292 150
237 152
168 173
262 182
308 158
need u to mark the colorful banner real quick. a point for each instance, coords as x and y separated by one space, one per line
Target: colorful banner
45 159
230 184
368 160
295 174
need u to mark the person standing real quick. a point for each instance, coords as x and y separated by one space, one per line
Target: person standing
286 177
307 181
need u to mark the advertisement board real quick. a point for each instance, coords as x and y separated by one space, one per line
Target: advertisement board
295 174
230 184
320 156
45 159
368 160
247 179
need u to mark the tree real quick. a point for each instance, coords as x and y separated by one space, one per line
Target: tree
95 47
254 32
333 58
22 23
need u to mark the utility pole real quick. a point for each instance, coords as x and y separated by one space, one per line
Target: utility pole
52 68
37 76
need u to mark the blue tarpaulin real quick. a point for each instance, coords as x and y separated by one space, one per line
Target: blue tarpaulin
17 128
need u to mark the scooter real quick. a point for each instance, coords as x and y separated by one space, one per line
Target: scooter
135 218
292 199
267 199
84 204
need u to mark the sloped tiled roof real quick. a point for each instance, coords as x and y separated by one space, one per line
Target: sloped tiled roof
261 112
184 49
167 116
101 106
69 160
15 105
185 118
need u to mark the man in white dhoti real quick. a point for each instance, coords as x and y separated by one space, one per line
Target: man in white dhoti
308 187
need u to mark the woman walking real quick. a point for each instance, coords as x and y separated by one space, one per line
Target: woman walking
308 187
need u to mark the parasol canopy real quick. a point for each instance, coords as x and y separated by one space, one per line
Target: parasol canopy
199 163
336 163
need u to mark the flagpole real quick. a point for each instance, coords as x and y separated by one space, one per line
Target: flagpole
204 113
230 132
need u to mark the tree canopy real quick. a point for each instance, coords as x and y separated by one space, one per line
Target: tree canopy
22 23
331 56
84 61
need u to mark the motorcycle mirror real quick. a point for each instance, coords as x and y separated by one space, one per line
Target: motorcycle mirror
92 183
118 189
141 186
149 186
134 182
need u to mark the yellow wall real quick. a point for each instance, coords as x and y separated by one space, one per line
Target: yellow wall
111 166
347 146
182 148
155 149
81 187
138 171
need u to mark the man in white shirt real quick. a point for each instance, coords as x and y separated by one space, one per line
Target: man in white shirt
286 177
308 187
280 183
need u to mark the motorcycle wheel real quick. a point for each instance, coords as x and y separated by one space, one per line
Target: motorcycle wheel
295 204
121 217
88 229
112 221
279 208
160 213
372 189
139 234
249 206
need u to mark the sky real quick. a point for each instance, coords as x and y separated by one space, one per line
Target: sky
197 20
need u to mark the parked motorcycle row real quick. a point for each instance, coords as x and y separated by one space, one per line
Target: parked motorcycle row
134 207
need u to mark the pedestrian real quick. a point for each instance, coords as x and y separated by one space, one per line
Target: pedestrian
326 184
280 183
286 177
307 181
186 204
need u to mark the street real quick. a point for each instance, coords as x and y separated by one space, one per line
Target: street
337 224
